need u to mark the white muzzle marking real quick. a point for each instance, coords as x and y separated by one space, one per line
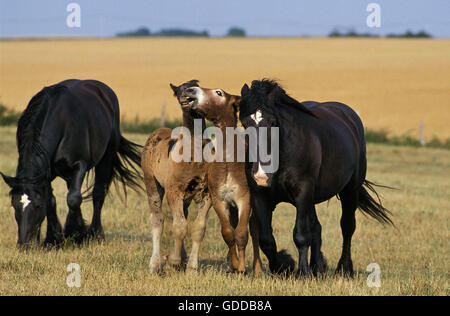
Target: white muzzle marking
260 176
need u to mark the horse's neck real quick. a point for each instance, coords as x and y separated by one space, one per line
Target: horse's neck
189 122
223 124
31 164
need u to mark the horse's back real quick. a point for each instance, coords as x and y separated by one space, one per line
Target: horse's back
338 115
83 118
93 92
342 141
155 155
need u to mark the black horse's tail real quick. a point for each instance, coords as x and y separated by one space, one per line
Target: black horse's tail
368 205
124 169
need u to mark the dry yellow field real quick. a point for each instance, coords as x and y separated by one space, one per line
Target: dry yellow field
414 258
393 83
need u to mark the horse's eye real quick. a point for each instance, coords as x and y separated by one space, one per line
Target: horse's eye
219 93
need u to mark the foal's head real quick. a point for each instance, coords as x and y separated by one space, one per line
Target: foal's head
213 104
179 90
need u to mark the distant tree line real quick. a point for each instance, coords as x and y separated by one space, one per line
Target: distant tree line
353 33
178 32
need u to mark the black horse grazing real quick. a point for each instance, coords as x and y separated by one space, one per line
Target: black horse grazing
322 153
66 130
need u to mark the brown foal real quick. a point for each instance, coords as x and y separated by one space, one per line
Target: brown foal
227 181
181 182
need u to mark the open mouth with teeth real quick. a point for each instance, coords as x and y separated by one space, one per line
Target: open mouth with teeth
188 102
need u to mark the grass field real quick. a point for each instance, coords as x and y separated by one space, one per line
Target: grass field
414 258
393 83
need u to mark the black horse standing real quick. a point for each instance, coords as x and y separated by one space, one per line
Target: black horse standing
66 130
322 153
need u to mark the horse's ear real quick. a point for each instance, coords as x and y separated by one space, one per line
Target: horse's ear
236 101
10 181
175 89
245 90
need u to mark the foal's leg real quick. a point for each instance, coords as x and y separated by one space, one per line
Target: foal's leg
254 233
75 227
198 232
303 226
349 202
54 230
223 212
241 232
180 227
155 194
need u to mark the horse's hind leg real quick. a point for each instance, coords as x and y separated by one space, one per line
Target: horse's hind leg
349 202
155 194
176 204
103 177
198 229
75 227
317 262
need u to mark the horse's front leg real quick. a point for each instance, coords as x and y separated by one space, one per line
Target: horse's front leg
304 223
75 227
254 233
279 262
241 232
223 212
54 231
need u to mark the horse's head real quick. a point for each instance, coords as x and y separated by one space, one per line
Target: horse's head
178 92
30 200
257 110
213 104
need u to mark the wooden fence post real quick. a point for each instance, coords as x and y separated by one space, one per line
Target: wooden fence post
422 133
163 115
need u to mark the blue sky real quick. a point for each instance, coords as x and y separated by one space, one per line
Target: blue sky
23 18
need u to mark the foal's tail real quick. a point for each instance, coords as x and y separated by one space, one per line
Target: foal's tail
124 169
368 205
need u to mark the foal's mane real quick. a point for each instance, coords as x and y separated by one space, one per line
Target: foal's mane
29 129
274 91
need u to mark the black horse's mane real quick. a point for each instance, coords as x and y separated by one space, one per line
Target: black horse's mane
29 129
268 88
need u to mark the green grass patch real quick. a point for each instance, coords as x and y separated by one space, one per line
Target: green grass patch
8 117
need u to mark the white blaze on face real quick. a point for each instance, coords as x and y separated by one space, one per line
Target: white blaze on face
199 95
25 201
257 117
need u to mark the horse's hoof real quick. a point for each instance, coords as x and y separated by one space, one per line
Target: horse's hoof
52 243
96 234
304 273
319 267
284 265
345 268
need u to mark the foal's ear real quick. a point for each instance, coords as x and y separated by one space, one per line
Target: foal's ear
245 90
175 89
